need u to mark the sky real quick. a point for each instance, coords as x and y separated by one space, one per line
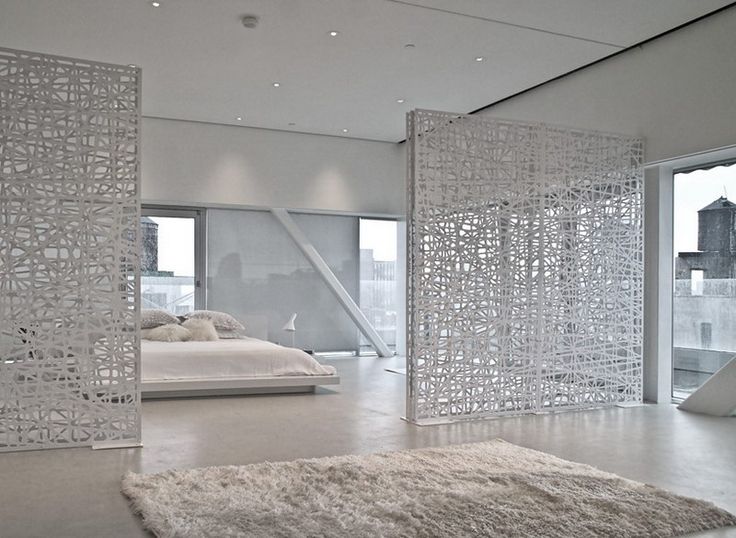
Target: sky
379 235
175 245
693 191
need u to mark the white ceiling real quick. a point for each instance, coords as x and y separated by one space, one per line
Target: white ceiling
199 62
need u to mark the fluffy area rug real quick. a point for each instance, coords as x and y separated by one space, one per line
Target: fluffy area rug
483 489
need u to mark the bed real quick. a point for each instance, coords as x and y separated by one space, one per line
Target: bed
228 366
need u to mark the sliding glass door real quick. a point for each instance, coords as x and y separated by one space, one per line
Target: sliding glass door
704 301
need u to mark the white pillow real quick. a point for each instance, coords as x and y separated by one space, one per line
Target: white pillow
202 330
229 335
155 317
169 333
221 320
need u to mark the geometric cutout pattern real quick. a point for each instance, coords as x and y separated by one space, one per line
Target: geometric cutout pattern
525 268
69 218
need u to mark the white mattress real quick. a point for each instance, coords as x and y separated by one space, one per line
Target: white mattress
227 358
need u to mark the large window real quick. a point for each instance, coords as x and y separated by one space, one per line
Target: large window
704 302
250 267
378 277
256 272
169 269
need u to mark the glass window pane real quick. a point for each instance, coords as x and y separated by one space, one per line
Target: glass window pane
704 302
167 263
258 274
378 278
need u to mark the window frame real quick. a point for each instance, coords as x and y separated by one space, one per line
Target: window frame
399 347
200 245
704 161
659 265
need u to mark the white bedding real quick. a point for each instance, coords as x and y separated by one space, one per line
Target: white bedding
246 357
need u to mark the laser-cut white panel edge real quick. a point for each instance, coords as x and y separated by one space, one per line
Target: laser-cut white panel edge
525 268
69 220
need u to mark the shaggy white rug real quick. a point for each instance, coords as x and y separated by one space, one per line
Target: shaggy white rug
483 489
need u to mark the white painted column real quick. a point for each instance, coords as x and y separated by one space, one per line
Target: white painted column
658 275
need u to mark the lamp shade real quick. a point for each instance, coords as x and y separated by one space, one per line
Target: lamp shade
289 325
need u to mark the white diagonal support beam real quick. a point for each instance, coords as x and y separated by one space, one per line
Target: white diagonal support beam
324 271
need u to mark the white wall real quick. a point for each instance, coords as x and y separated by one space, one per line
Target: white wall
199 163
658 272
678 92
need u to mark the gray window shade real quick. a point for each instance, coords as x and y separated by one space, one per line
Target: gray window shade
256 272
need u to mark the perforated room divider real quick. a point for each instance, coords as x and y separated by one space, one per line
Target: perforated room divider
69 214
525 268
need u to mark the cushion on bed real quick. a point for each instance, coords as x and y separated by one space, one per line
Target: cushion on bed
221 320
170 332
154 317
202 330
223 334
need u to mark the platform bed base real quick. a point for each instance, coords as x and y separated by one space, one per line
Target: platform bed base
182 388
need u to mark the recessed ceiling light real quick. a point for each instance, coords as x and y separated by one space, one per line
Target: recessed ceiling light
334 33
239 118
156 4
249 21
344 130
276 84
399 101
479 58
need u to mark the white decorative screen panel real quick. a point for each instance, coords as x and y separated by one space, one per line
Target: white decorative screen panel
69 213
525 268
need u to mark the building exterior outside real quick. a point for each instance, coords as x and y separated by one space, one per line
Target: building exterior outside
716 255
378 297
704 307
149 238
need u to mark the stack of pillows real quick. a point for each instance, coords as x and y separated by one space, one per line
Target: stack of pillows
199 325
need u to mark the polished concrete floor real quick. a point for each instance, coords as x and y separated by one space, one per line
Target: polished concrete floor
75 492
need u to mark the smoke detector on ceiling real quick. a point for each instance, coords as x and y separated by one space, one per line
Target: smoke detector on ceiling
249 21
